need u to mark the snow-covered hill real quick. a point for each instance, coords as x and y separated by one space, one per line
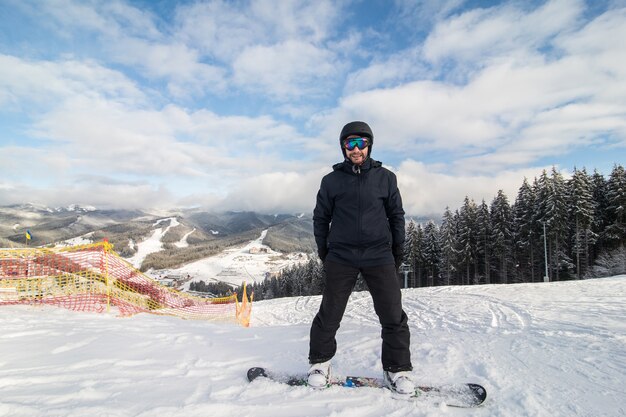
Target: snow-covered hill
555 349
249 262
153 243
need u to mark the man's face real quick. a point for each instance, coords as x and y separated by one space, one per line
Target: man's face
356 155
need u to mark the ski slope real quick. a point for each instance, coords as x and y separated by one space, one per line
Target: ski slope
249 262
554 349
236 264
153 243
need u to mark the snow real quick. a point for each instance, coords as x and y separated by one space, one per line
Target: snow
80 240
153 243
182 243
77 207
545 349
250 262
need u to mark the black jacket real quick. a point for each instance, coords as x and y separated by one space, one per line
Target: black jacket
358 217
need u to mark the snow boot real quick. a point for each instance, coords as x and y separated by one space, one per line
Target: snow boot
319 375
399 382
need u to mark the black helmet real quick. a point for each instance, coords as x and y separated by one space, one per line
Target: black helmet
356 128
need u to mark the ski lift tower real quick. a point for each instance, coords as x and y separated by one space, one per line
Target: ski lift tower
405 269
546 277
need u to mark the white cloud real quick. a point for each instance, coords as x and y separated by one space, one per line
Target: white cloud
128 20
224 30
99 193
130 36
286 70
179 65
89 133
598 45
218 29
276 49
390 72
299 19
427 191
489 92
171 141
424 13
114 18
478 34
212 46
89 120
47 82
276 192
509 113
427 113
18 163
238 131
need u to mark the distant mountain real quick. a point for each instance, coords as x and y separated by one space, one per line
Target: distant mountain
211 231
40 208
233 222
294 234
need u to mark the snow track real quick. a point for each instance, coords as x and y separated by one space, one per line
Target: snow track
554 349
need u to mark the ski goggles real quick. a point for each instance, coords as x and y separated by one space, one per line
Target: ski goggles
360 143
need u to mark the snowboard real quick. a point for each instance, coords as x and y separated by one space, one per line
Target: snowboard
462 395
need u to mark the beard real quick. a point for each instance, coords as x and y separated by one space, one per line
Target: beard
357 158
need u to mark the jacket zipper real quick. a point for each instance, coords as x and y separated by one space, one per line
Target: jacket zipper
359 217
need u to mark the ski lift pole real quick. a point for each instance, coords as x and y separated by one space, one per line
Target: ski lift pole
546 278
405 269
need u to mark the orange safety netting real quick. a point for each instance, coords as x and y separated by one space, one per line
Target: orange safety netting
93 278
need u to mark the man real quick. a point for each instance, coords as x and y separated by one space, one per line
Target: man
358 224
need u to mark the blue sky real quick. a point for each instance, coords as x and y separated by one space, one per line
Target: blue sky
238 105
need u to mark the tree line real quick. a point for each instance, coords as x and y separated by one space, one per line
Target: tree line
556 228
560 228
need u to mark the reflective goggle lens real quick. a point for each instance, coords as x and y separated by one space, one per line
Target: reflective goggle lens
360 143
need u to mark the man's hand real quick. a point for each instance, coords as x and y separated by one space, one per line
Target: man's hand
322 252
398 254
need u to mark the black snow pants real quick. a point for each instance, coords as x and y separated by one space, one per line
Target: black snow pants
384 288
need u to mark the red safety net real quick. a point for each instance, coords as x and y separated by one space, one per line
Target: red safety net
95 278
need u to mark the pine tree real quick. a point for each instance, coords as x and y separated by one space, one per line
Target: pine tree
601 217
448 243
615 231
483 247
418 267
556 223
411 250
524 245
431 253
581 213
501 235
468 239
541 190
317 274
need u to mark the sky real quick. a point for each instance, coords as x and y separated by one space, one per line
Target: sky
238 105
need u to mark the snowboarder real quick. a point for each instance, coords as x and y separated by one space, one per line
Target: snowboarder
358 225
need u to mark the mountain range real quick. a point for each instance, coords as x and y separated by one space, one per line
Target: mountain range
207 232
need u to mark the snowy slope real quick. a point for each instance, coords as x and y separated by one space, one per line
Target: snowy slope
152 243
556 349
248 262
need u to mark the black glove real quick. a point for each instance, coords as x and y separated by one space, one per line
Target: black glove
322 252
398 255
